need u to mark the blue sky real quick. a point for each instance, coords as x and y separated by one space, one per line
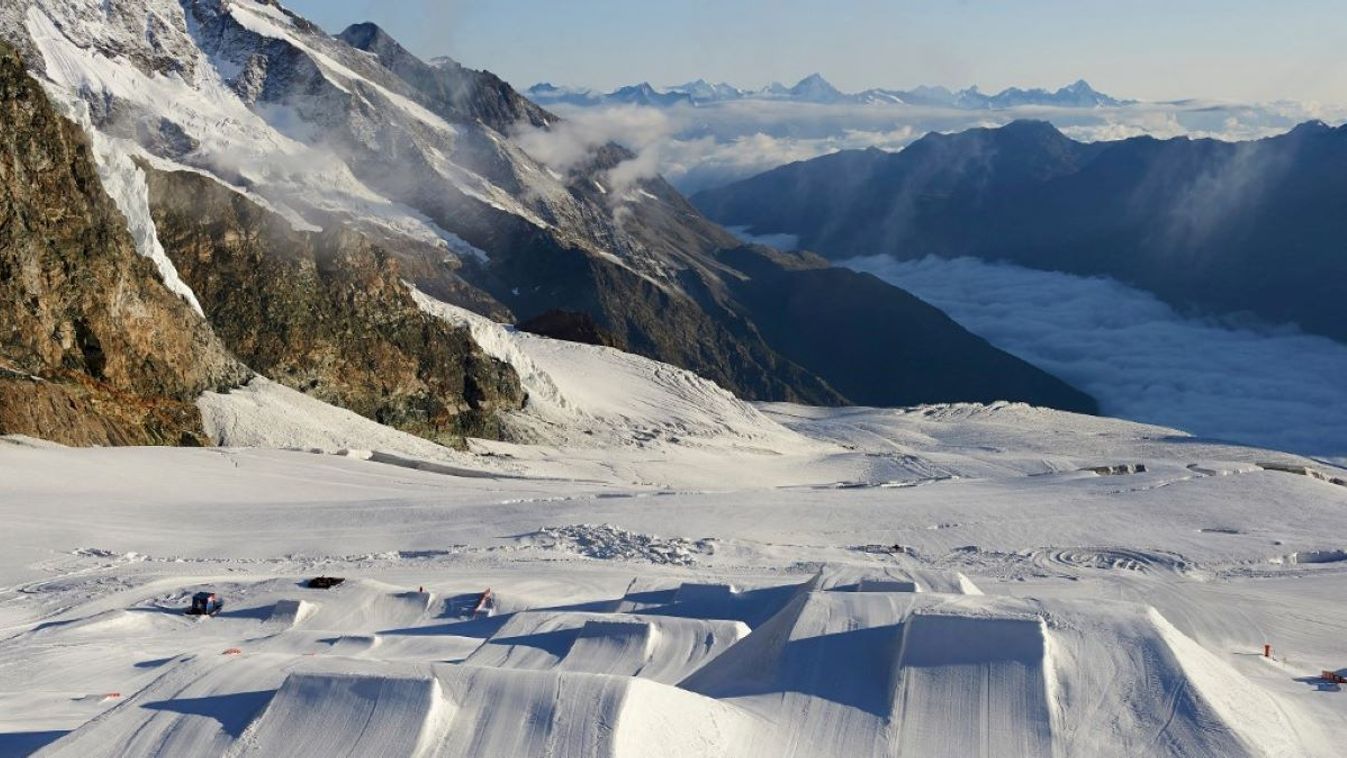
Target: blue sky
1148 49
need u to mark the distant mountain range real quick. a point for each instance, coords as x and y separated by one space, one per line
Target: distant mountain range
1222 227
815 89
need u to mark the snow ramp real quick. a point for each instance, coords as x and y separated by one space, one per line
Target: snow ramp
1127 682
916 674
905 575
577 715
973 685
711 600
198 706
660 648
821 672
351 715
617 646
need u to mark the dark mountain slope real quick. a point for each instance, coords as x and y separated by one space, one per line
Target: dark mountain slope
1220 227
457 93
871 340
697 318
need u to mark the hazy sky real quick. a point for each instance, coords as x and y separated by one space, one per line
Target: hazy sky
1148 49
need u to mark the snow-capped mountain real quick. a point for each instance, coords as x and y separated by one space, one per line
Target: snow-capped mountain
350 148
703 91
816 89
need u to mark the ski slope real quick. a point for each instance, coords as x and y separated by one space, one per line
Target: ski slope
675 573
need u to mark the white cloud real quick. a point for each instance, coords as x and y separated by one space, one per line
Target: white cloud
1142 360
568 143
714 144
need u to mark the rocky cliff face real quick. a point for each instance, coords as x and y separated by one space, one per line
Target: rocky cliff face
94 350
327 313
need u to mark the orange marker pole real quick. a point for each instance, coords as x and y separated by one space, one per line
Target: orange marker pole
1267 651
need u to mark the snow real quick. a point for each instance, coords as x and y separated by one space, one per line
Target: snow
270 152
675 572
694 592
122 179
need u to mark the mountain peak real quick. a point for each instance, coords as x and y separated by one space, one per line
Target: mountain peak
1031 128
364 34
1313 126
815 88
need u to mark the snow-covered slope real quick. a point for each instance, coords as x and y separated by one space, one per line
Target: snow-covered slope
670 570
1061 584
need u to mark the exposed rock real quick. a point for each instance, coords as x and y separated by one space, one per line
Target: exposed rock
570 326
94 349
327 313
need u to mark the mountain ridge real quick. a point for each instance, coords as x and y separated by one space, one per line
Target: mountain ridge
354 132
1219 227
817 90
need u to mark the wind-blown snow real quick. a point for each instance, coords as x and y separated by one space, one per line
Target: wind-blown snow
254 150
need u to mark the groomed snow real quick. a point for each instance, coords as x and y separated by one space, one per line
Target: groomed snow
694 576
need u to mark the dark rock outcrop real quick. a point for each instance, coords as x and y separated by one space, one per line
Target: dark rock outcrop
874 342
94 349
327 313
571 326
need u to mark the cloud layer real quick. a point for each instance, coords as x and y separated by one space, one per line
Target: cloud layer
714 144
1142 360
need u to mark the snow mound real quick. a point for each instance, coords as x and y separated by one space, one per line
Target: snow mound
841 673
991 670
709 600
270 415
335 714
288 613
662 649
907 576
574 714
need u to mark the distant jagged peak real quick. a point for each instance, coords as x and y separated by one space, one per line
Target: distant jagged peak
815 88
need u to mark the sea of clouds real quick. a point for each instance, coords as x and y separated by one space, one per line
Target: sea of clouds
697 147
1142 360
